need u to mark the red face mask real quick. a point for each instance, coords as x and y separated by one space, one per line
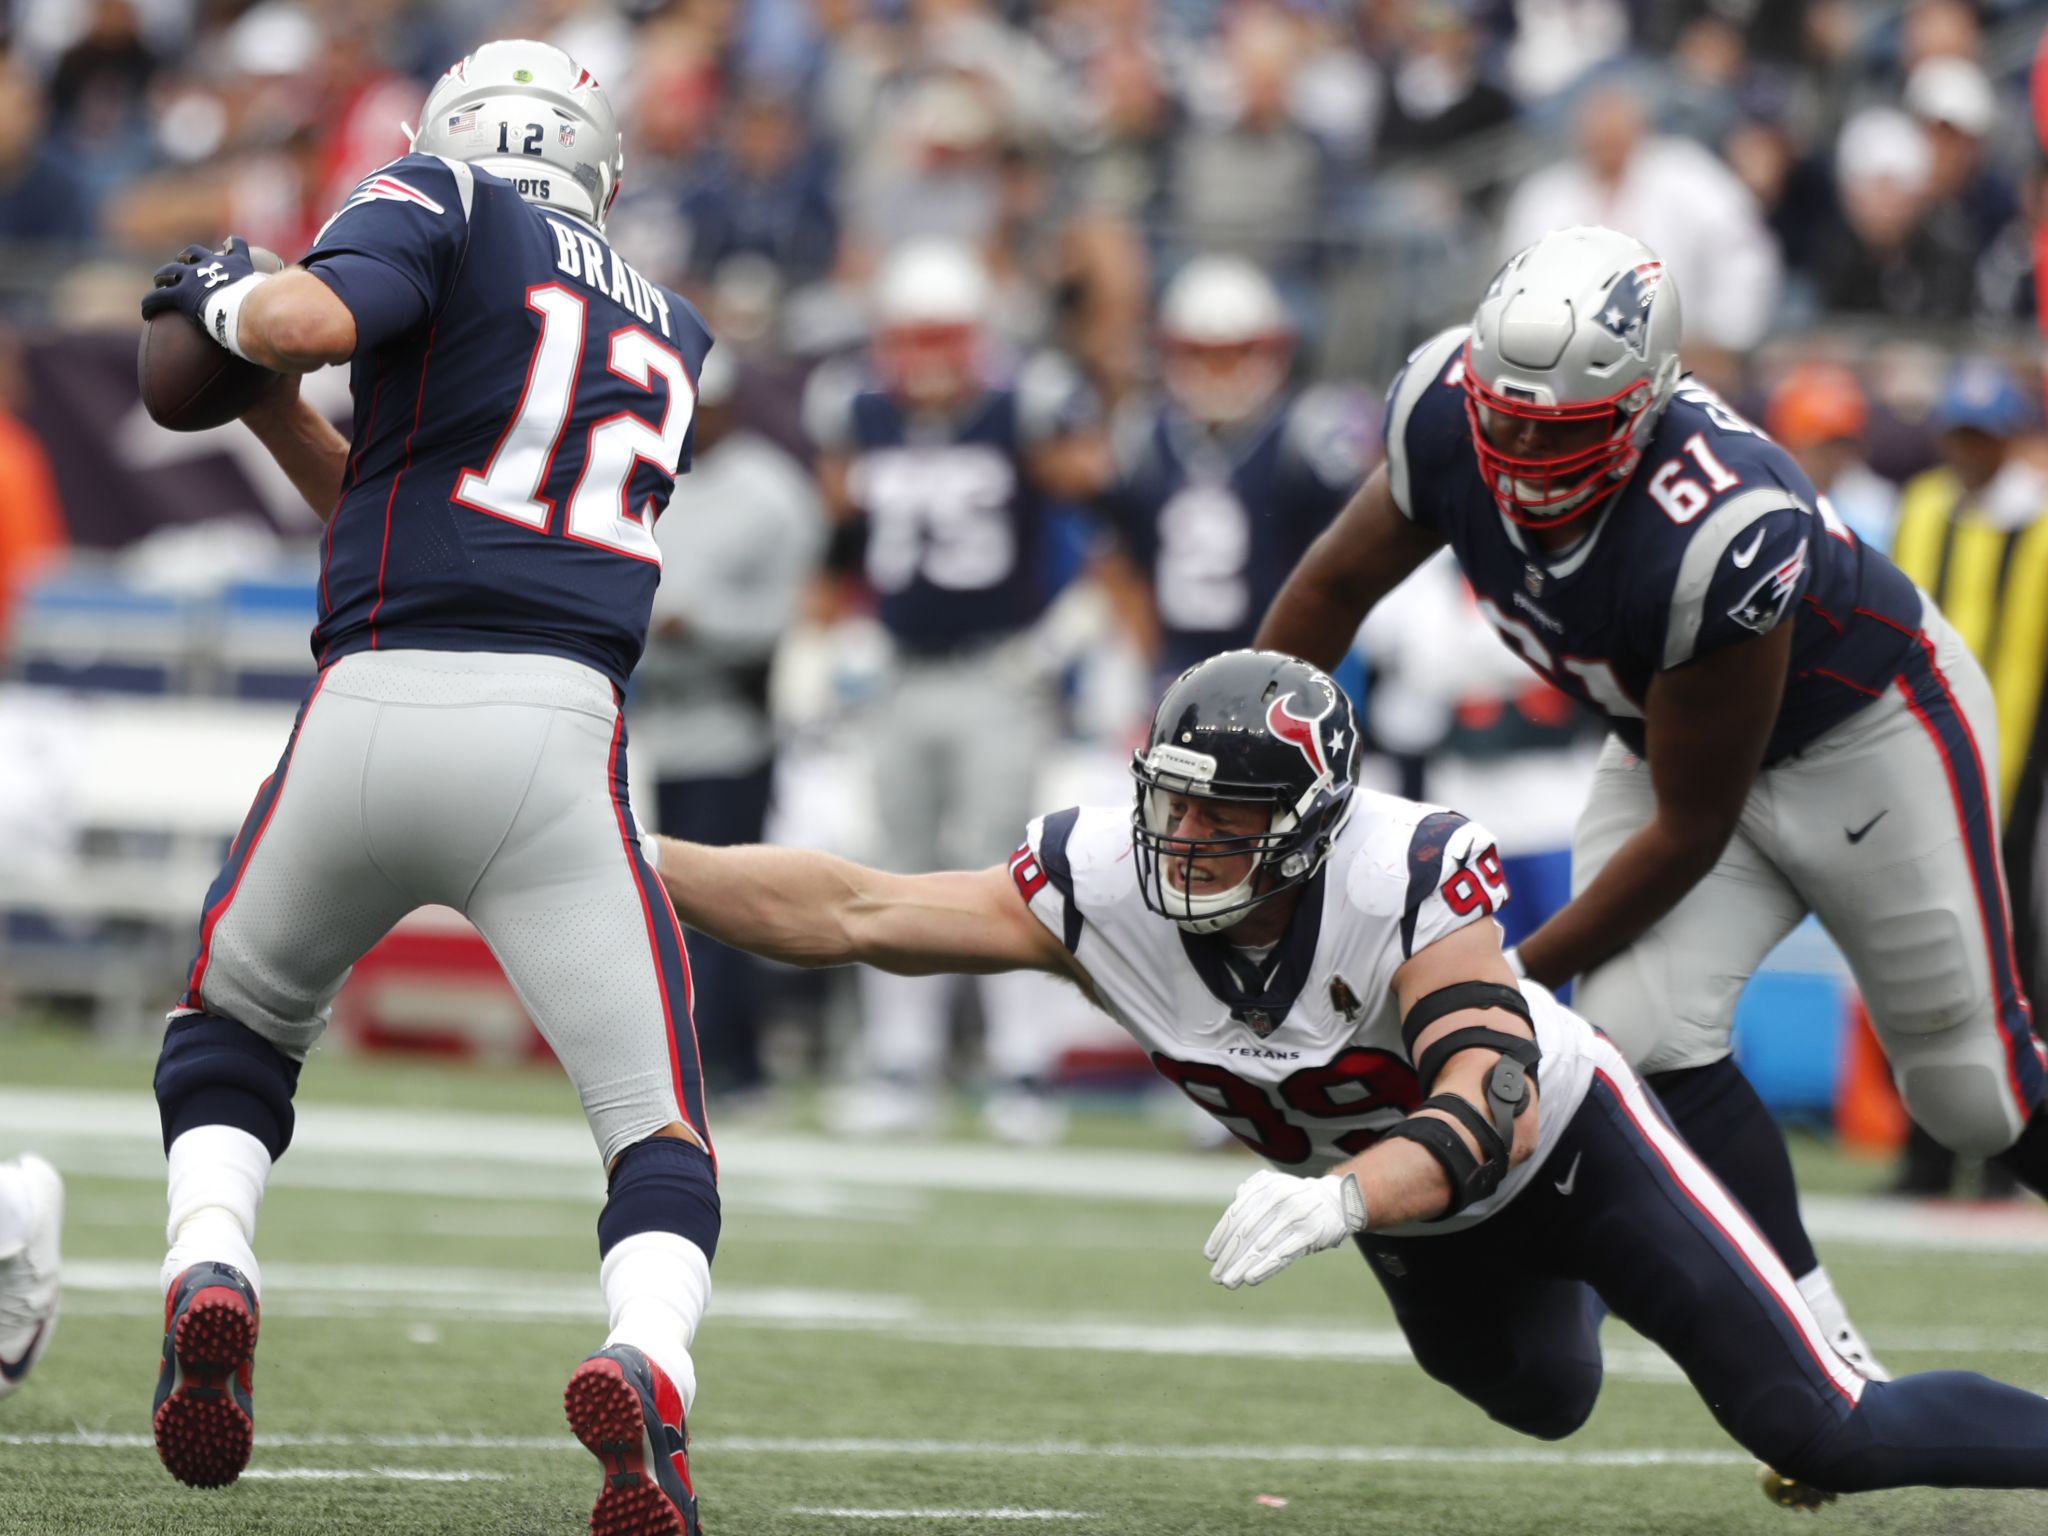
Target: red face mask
1550 489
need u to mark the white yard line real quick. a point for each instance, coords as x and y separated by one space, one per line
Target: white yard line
532 1157
940 1514
381 1474
797 1445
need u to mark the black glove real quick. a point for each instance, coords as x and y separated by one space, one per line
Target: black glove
196 276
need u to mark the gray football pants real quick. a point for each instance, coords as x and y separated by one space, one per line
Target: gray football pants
958 744
494 784
1887 829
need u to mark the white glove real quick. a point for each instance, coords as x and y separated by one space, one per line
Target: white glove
1275 1219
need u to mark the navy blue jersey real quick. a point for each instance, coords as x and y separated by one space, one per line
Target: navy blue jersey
1717 537
1215 523
523 402
955 531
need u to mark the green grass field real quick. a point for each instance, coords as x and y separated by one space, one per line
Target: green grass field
943 1339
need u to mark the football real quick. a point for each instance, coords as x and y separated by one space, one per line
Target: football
188 382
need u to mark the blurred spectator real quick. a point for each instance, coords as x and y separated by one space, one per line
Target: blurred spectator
763 191
31 522
1439 97
1958 109
1250 181
739 545
1675 197
1818 413
1558 42
97 97
1886 255
939 468
1972 532
1939 29
46 214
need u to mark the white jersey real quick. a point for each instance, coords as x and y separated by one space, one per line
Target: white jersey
1299 1053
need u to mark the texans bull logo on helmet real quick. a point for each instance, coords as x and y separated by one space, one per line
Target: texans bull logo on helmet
1304 732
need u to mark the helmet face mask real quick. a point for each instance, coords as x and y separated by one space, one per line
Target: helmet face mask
527 112
1241 789
1577 331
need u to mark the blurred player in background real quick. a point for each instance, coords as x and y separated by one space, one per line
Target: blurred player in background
938 463
1793 728
1314 965
1226 479
31 1222
1972 533
523 404
740 543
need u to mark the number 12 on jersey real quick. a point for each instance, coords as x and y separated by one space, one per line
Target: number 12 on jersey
510 485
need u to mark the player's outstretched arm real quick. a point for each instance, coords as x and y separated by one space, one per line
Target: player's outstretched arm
295 323
1276 1217
809 908
1708 723
1362 556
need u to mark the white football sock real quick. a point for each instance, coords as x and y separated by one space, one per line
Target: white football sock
656 1286
1818 1290
16 1213
903 1024
217 1174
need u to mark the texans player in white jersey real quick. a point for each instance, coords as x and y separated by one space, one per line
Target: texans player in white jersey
523 401
1795 728
1317 966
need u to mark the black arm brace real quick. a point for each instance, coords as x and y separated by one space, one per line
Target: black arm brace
1507 1087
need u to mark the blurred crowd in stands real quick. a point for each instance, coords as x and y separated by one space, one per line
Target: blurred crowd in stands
1844 190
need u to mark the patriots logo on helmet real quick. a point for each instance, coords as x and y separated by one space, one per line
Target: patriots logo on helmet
1625 312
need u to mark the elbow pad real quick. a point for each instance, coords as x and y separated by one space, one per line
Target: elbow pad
1507 1081
1471 1178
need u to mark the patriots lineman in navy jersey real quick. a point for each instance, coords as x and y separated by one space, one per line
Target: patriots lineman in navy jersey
523 402
1795 728
1223 483
939 464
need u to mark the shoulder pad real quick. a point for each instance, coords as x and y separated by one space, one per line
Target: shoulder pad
1424 368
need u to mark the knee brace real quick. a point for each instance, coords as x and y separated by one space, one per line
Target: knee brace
214 1071
661 1185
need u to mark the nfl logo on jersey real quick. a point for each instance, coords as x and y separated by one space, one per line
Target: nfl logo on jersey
1258 1021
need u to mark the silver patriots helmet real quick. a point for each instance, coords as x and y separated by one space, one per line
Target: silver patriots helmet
1580 328
528 112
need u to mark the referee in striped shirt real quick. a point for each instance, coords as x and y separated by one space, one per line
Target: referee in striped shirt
1973 534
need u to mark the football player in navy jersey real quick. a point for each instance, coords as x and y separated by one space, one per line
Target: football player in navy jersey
1795 728
940 462
523 401
1317 966
1223 483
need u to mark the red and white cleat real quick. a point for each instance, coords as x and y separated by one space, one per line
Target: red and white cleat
629 1415
205 1412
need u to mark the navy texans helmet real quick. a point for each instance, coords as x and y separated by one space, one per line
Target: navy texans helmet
1255 727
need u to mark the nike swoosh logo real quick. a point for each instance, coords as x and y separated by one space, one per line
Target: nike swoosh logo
1571 1178
1857 835
14 1370
1743 557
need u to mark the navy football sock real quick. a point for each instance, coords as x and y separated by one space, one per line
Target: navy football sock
1939 1429
1720 1115
215 1071
661 1185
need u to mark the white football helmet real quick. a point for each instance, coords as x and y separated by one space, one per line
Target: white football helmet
1579 330
1225 340
932 302
527 112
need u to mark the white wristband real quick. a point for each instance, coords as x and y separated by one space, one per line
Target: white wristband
1513 955
223 312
